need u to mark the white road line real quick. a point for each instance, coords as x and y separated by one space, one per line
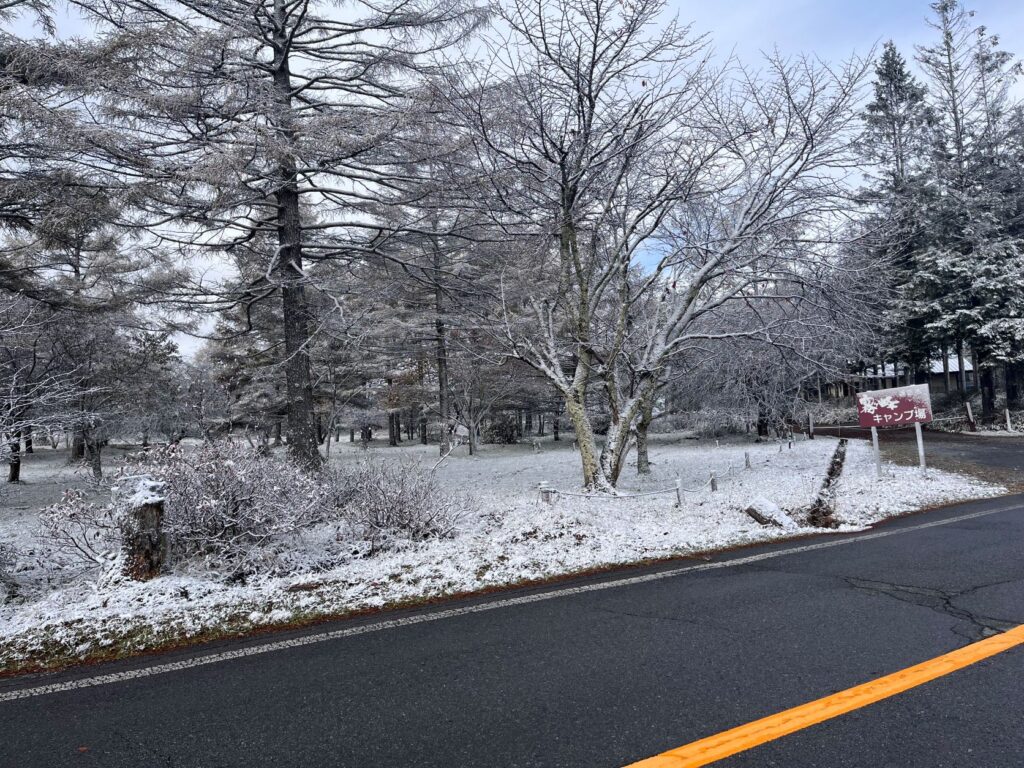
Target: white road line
241 653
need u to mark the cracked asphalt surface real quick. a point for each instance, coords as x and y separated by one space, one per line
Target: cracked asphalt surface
603 678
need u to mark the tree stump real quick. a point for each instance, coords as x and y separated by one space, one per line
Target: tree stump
143 541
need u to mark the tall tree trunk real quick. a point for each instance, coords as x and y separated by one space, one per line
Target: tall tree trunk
762 420
617 444
1012 387
14 460
593 478
529 422
555 427
78 446
643 462
26 435
441 350
622 430
93 448
961 374
392 437
947 381
988 395
302 432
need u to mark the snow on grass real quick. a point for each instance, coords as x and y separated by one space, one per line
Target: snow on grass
863 499
507 536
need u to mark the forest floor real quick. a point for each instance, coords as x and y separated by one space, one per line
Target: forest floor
59 613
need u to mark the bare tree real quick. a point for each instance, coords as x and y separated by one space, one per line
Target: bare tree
660 192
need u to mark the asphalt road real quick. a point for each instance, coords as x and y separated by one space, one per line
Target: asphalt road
605 677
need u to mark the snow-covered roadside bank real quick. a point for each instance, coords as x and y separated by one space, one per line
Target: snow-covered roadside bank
507 536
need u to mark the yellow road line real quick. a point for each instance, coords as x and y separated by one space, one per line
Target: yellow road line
744 737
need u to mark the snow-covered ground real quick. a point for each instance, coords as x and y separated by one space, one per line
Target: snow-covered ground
506 536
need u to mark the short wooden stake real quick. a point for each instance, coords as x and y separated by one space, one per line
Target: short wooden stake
714 483
1009 424
746 459
810 426
970 418
545 492
679 492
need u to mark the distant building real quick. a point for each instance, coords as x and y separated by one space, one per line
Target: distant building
893 376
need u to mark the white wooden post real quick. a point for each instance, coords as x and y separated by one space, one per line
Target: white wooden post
545 492
810 426
1009 424
970 418
746 459
679 492
920 447
878 453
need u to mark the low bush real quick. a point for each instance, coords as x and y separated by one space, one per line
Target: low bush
400 500
235 512
88 532
225 502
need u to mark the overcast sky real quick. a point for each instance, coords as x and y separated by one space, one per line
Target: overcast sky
830 28
833 29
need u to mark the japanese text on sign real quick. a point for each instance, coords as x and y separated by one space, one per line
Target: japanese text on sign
895 407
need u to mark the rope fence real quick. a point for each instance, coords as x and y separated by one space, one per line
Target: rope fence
549 494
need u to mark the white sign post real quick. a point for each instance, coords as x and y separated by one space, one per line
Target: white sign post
878 453
893 408
920 448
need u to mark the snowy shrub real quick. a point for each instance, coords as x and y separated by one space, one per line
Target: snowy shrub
225 505
86 531
401 500
709 422
226 502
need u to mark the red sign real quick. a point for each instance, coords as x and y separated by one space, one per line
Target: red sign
895 407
